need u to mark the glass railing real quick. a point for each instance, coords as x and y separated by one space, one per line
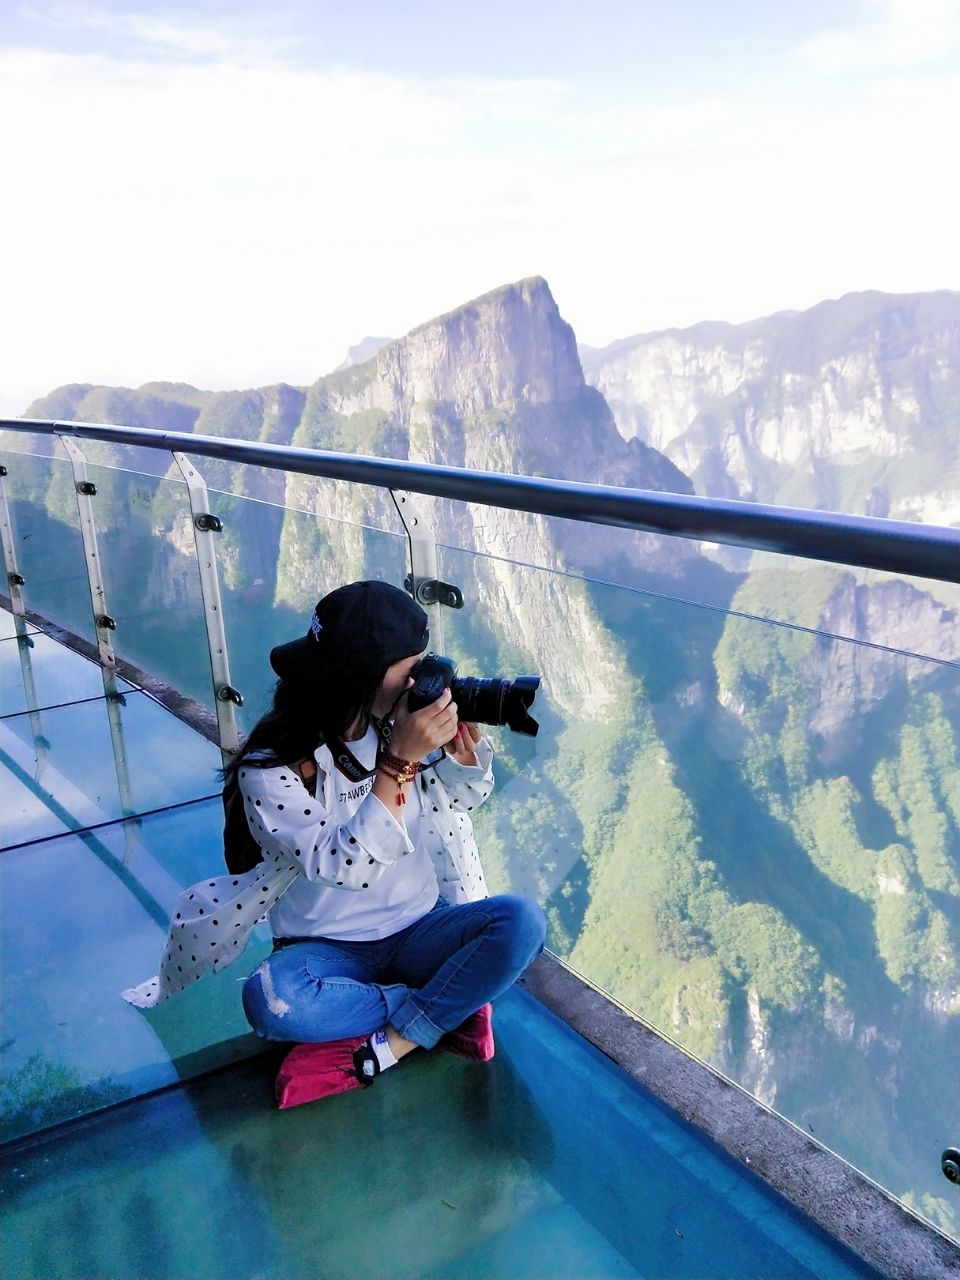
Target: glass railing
277 563
748 832
49 547
742 811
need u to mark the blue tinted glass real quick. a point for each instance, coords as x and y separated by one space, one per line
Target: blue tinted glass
84 917
49 549
8 625
36 672
89 763
546 1162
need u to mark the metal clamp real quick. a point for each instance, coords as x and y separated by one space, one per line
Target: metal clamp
104 620
16 579
423 581
431 591
87 488
208 523
227 693
950 1164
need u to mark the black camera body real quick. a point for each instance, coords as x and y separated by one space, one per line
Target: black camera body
490 701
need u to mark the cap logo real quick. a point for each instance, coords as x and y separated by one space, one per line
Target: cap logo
316 626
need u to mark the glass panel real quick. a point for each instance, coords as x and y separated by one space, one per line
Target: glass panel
522 1180
918 615
276 563
8 626
28 813
748 833
93 763
149 565
46 526
85 916
37 672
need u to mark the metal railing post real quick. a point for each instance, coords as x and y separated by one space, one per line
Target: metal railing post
104 622
24 645
15 580
423 581
85 490
205 526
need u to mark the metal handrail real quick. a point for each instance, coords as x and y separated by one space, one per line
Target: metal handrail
897 546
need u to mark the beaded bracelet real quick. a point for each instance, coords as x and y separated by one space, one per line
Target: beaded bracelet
403 771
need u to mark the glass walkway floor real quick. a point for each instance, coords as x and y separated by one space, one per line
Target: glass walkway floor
148 1145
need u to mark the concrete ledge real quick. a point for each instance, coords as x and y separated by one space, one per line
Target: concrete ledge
842 1201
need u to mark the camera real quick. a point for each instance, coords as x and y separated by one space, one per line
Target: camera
485 701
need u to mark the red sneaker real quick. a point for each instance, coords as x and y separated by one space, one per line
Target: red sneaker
312 1071
473 1038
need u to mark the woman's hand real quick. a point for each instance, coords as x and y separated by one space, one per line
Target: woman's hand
417 733
462 746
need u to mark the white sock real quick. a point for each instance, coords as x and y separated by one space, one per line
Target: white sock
381 1047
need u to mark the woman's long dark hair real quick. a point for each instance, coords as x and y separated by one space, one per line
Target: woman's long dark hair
305 713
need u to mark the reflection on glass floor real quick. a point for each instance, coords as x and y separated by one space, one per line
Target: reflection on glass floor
548 1162
8 626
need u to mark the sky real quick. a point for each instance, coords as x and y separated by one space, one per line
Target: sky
232 194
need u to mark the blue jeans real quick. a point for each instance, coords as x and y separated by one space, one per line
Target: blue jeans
424 980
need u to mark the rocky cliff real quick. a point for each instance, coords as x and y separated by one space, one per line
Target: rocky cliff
509 346
853 405
496 386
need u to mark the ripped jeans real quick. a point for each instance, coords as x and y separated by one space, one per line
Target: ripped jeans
423 981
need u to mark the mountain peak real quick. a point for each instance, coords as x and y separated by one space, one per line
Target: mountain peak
364 350
509 345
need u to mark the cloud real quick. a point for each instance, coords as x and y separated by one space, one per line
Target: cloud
234 225
895 36
243 37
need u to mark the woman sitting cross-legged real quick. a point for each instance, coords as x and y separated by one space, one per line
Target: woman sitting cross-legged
384 939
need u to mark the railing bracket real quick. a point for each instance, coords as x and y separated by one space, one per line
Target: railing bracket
119 698
226 696
85 488
104 620
16 579
431 591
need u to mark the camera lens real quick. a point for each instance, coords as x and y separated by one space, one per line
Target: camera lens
498 702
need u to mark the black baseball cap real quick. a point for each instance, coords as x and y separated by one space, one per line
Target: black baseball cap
361 625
